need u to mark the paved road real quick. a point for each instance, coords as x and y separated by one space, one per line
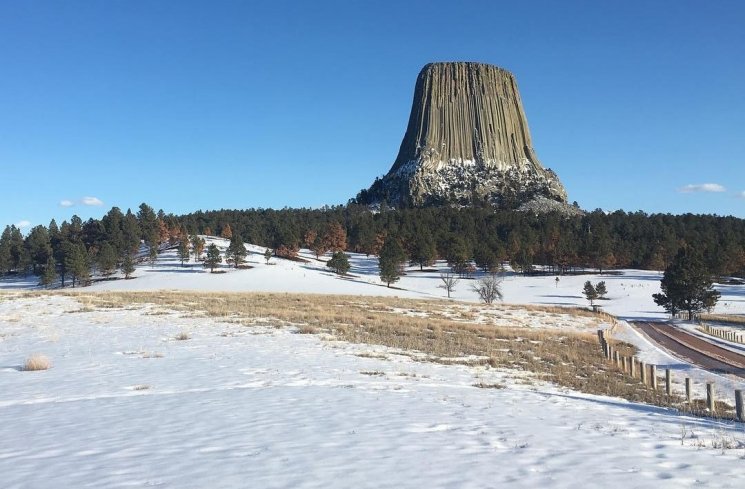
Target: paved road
694 349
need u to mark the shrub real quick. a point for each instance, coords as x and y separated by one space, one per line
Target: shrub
37 362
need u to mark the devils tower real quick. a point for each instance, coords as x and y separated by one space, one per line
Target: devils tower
467 141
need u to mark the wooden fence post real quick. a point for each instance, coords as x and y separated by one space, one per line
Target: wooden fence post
633 367
617 357
653 376
739 408
668 382
688 389
710 397
624 362
643 372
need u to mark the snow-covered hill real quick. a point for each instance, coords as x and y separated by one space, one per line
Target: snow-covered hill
629 292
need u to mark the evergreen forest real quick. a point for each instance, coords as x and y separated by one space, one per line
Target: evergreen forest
73 252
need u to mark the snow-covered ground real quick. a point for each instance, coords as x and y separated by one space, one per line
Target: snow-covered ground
629 292
128 405
125 404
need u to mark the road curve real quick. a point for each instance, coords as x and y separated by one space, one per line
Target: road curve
693 349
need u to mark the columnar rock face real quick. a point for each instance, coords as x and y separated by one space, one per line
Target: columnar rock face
467 141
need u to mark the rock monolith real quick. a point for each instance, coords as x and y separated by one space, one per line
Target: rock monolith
467 142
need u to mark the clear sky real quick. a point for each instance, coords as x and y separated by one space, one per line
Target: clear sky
187 105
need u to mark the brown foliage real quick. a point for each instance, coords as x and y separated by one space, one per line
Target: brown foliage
310 238
286 251
335 237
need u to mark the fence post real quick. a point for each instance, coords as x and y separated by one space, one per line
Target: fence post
710 396
643 371
668 382
633 367
688 389
653 376
739 408
624 362
617 357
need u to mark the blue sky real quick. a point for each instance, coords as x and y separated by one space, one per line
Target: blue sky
207 105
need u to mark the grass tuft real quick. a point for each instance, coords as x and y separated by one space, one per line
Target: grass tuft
37 362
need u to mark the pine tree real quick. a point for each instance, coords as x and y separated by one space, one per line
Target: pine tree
319 247
197 244
130 234
485 258
106 259
20 261
113 224
686 285
226 233
236 252
50 272
457 255
601 289
149 226
128 266
389 270
267 255
183 251
213 257
423 252
390 261
339 263
76 263
39 248
590 292
5 261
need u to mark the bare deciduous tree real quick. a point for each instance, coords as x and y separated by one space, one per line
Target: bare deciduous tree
489 288
449 281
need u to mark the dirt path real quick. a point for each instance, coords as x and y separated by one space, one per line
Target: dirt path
693 349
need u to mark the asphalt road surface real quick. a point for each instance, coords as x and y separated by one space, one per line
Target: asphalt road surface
694 349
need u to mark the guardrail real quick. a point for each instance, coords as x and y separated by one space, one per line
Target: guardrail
725 334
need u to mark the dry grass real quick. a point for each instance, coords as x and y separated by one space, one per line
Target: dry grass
482 385
37 362
373 373
307 329
723 318
182 336
433 331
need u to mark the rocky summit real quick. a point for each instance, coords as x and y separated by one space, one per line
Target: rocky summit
467 142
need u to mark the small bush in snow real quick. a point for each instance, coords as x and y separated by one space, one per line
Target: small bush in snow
37 362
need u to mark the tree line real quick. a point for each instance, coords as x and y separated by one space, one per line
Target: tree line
466 237
72 251
486 237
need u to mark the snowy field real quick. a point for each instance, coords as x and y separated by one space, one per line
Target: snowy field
629 293
126 404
